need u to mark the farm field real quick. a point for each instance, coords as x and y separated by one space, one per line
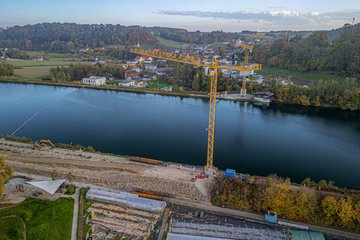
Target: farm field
42 219
169 44
311 76
33 72
31 63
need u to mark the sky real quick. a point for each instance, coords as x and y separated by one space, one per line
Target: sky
204 15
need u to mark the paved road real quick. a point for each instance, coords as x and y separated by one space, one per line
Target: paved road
257 217
75 215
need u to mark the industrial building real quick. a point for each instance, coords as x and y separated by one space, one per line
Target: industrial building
94 80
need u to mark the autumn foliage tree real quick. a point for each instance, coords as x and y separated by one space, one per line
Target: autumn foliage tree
302 204
6 173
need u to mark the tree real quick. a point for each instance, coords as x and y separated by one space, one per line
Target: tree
346 211
6 69
6 173
330 209
322 184
357 212
55 175
195 86
61 76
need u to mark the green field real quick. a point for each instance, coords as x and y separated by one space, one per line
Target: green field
169 44
43 220
312 76
52 56
33 72
251 36
154 84
12 228
30 63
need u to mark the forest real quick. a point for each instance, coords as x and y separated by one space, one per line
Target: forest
338 51
68 37
75 72
304 204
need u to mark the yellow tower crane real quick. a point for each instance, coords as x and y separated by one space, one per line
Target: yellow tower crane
213 73
248 49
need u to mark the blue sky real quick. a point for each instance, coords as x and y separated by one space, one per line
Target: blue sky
205 15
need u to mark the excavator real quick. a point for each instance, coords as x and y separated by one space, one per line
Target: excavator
43 143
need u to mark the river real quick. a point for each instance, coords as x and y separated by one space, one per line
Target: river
290 141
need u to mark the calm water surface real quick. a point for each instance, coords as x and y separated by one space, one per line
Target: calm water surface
291 141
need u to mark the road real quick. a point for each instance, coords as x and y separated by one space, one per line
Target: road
74 227
257 217
75 215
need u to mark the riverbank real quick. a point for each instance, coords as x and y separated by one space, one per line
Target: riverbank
107 87
77 84
173 180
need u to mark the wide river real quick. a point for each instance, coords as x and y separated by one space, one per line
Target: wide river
289 141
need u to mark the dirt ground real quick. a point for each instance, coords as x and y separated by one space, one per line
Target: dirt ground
107 171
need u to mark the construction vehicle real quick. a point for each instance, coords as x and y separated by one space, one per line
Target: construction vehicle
43 143
211 68
271 217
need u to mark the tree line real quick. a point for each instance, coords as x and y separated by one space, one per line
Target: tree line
337 52
296 203
68 37
6 69
78 71
331 93
6 173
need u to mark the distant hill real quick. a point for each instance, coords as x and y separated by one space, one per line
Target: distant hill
63 37
66 37
336 51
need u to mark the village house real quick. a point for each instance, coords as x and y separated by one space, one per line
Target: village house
131 75
165 71
127 83
150 67
143 59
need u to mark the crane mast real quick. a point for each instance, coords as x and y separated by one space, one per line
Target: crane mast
211 118
213 73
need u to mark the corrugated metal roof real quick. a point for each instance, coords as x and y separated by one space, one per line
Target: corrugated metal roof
305 235
175 236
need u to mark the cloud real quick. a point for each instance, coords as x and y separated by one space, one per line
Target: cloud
282 18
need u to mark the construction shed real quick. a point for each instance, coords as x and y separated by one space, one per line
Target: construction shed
126 199
50 186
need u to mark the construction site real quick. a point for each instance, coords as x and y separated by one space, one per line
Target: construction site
123 173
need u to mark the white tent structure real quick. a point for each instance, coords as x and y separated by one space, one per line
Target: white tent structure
48 186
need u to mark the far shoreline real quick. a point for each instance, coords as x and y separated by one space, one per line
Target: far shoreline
148 91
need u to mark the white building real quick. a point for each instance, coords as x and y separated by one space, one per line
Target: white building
128 83
94 80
